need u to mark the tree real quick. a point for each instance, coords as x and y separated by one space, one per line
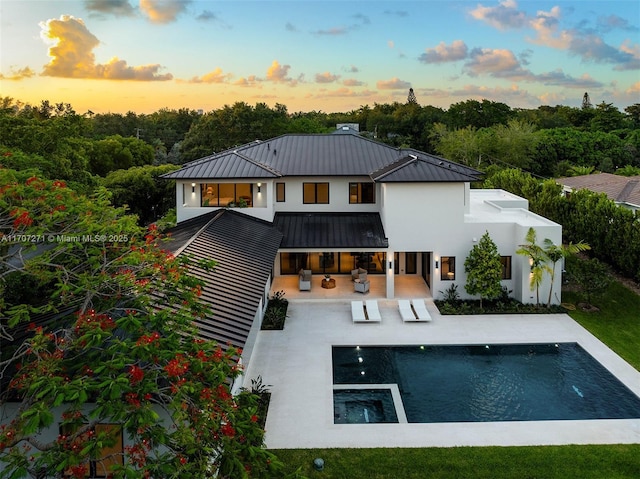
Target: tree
537 259
121 349
557 252
484 269
591 275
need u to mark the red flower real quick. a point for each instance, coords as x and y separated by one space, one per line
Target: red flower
254 418
228 430
136 374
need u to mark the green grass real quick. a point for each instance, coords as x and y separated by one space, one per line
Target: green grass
548 462
617 324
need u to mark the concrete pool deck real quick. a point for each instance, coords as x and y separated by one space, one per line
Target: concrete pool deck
296 362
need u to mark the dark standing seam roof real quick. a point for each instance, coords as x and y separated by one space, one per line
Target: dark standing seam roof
331 230
320 155
412 168
245 249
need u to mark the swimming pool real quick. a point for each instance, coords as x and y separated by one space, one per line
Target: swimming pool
476 383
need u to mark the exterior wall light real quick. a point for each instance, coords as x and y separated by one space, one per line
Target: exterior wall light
193 187
437 264
259 185
390 265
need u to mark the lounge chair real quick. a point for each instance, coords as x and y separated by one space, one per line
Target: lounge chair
420 309
357 311
359 273
404 305
304 280
373 313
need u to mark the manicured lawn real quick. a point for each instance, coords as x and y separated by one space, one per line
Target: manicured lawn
617 324
549 462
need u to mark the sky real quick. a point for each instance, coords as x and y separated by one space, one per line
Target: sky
143 55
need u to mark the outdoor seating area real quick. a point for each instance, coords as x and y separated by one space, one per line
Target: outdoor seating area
365 311
413 310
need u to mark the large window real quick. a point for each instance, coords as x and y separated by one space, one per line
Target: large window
448 268
506 267
315 193
279 192
226 194
110 456
362 193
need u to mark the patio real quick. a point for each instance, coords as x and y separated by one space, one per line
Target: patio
296 362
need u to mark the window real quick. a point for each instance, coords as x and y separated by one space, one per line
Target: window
448 268
226 194
362 193
506 267
315 193
279 192
111 455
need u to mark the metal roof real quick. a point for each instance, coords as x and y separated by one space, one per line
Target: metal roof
412 168
245 249
331 230
320 155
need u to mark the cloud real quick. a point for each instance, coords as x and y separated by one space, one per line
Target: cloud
559 78
335 31
18 74
344 93
215 76
163 11
393 84
442 53
633 51
502 17
391 44
352 69
326 77
280 74
250 81
352 82
71 53
491 61
290 27
118 8
362 18
614 22
206 16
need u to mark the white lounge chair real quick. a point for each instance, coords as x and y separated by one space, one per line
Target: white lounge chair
420 309
404 305
373 313
357 311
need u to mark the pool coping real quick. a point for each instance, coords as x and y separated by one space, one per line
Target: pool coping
296 362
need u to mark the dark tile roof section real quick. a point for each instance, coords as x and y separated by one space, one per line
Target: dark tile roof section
320 155
331 230
622 189
245 249
424 169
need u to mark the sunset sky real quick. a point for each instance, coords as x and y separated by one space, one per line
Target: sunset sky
143 55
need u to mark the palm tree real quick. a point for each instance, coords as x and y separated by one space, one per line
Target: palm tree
557 252
537 259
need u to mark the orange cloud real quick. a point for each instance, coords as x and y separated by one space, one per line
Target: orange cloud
326 77
215 76
71 53
250 81
163 11
19 74
393 84
278 73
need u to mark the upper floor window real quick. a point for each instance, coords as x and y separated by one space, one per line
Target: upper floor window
279 192
226 194
315 193
362 193
506 267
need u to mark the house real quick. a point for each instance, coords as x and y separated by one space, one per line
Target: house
623 190
342 201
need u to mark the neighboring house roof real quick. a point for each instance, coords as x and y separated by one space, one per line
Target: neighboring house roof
245 249
321 155
331 230
621 189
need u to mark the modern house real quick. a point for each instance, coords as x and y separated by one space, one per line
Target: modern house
342 201
623 190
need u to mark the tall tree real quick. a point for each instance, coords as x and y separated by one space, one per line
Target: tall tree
484 269
120 350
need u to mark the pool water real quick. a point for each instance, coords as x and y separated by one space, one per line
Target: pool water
478 383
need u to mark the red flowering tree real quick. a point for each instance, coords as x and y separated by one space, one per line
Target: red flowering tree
115 381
